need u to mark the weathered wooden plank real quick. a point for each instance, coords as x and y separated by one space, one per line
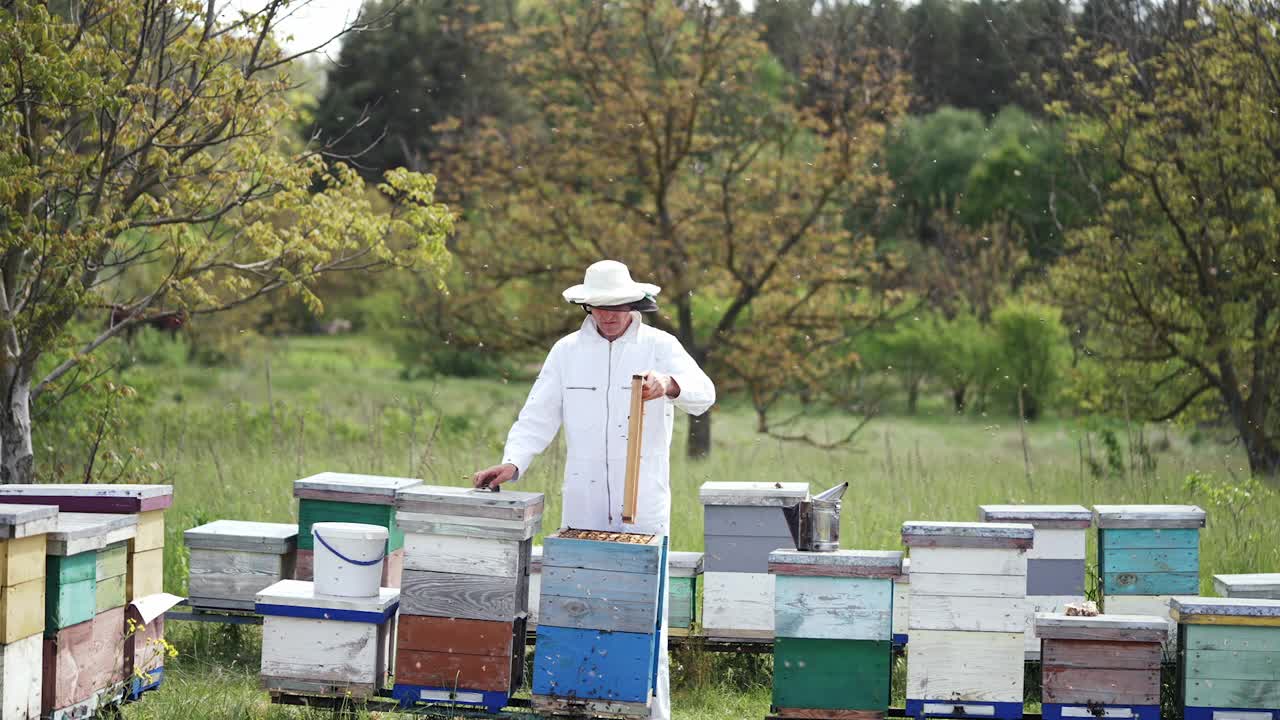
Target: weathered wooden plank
1112 627
1102 655
740 520
447 670
323 650
972 614
1251 694
965 666
585 707
833 608
968 561
611 586
83 659
82 498
865 563
243 536
351 487
1148 539
109 593
577 663
826 714
469 502
112 561
599 555
737 601
457 636
1232 665
1150 583
234 574
1055 577
1043 517
1190 607
596 613
294 686
762 494
1152 605
429 524
297 593
456 554
967 535
69 604
21 669
471 597
1149 560
145 574
1254 585
1105 686
1242 639
1148 516
77 533
1056 544
831 674
23 520
21 610
150 531
22 559
956 585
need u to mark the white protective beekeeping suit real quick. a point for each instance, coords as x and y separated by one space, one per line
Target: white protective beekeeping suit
585 386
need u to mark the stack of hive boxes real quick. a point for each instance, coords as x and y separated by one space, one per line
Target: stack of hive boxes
23 531
834 625
231 561
1104 666
968 618
1055 565
1260 586
599 626
325 645
1146 555
343 497
1229 657
682 601
742 523
84 648
465 593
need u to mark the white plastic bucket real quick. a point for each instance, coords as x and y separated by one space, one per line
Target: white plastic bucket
348 558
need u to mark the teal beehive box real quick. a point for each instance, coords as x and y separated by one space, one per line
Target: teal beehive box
1228 657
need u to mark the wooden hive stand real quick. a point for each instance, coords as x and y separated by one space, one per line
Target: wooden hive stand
1146 555
23 537
346 497
1107 664
1229 657
600 618
232 560
1262 586
683 569
1056 563
325 645
742 524
968 618
834 623
466 594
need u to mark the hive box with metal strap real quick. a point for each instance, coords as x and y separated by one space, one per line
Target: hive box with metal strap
465 593
346 497
1108 664
1263 586
1229 657
599 626
1056 564
324 644
967 618
1147 554
742 523
834 626
232 560
23 539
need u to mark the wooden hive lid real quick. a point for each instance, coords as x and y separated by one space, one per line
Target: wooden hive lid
684 563
967 534
352 487
298 598
19 521
470 502
1040 516
1225 611
1115 628
81 498
753 493
1261 585
261 537
1148 516
76 533
841 563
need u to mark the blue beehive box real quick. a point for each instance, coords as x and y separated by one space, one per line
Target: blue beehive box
599 617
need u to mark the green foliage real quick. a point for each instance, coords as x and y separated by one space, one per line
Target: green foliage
1031 341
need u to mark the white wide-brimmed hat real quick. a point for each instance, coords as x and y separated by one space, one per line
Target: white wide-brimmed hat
609 283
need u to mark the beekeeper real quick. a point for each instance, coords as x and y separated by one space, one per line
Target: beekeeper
585 386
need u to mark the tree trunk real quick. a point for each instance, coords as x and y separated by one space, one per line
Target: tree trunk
958 394
1263 452
700 435
17 459
913 397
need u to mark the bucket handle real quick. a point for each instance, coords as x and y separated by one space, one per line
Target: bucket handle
344 558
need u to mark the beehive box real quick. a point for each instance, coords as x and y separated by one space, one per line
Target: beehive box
742 523
84 665
1108 663
1146 555
466 593
901 603
231 561
1056 563
1264 586
535 586
600 617
1229 657
323 644
23 539
834 626
968 618
683 569
345 497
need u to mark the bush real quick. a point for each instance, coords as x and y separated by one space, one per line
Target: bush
1031 342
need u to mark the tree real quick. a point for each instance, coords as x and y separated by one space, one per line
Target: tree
1175 280
664 136
140 170
1030 341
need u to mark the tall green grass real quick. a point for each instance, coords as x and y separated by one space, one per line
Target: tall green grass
232 441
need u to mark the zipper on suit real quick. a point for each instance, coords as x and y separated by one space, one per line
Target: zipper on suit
608 483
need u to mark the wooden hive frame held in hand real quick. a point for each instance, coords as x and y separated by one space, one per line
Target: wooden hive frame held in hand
631 494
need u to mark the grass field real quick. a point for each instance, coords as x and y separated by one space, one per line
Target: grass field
232 441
